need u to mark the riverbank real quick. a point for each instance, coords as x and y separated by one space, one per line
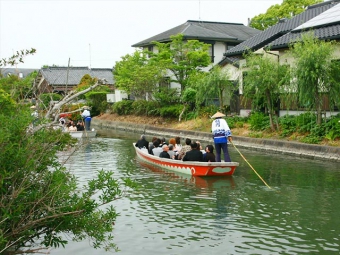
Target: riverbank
166 128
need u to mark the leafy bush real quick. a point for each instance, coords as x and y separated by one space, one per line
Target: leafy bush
98 102
258 121
171 111
332 127
191 115
48 97
237 121
123 107
208 111
166 96
287 125
147 108
305 122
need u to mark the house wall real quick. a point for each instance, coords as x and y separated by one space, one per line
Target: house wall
120 95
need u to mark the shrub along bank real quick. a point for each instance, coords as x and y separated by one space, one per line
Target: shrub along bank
300 128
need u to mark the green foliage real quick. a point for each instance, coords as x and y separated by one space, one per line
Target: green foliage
138 74
237 121
207 111
182 57
189 95
167 96
287 125
314 72
305 122
123 107
40 199
288 9
262 82
48 97
18 88
97 101
7 104
17 57
258 121
171 111
147 108
215 84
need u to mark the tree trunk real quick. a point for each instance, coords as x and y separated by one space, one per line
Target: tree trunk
270 110
182 112
318 108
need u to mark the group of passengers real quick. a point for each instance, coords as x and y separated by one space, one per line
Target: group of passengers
71 126
191 151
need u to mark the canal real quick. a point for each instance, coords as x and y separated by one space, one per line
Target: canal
172 214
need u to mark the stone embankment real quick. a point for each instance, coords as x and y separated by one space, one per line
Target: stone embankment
302 150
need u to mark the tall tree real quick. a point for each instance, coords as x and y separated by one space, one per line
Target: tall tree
137 74
288 9
315 72
39 198
182 58
214 84
262 82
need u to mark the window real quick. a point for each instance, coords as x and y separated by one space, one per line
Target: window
165 82
211 52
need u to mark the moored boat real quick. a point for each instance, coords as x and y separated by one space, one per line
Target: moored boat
193 168
83 134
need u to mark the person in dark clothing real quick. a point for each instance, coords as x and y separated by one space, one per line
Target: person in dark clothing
80 126
142 142
164 153
209 155
193 154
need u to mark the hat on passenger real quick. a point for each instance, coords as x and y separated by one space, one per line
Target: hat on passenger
86 107
218 115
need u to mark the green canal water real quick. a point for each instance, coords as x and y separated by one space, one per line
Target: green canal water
172 214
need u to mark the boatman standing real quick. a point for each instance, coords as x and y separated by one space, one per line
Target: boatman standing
87 117
221 134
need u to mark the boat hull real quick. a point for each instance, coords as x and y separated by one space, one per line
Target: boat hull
193 168
83 134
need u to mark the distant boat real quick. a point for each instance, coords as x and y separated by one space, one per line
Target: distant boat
193 168
83 134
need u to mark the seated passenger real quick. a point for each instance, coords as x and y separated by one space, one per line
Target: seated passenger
194 154
157 149
185 148
80 126
151 146
142 142
209 155
72 128
164 153
178 146
171 151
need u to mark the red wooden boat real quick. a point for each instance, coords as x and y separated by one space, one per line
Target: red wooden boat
193 168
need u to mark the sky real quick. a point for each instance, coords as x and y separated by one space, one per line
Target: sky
96 33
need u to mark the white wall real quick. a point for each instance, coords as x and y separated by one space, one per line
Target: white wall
120 95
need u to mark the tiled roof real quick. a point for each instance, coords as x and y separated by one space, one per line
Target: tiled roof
205 30
324 33
59 76
25 71
282 28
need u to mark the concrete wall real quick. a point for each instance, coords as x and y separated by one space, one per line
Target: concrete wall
270 146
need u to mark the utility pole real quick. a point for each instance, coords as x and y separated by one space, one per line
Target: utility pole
68 67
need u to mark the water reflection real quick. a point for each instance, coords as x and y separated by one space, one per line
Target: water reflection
177 214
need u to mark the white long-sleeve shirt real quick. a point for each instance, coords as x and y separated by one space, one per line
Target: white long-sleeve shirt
220 130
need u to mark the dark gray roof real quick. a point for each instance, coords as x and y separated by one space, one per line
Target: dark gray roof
205 31
58 75
277 31
326 31
16 71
